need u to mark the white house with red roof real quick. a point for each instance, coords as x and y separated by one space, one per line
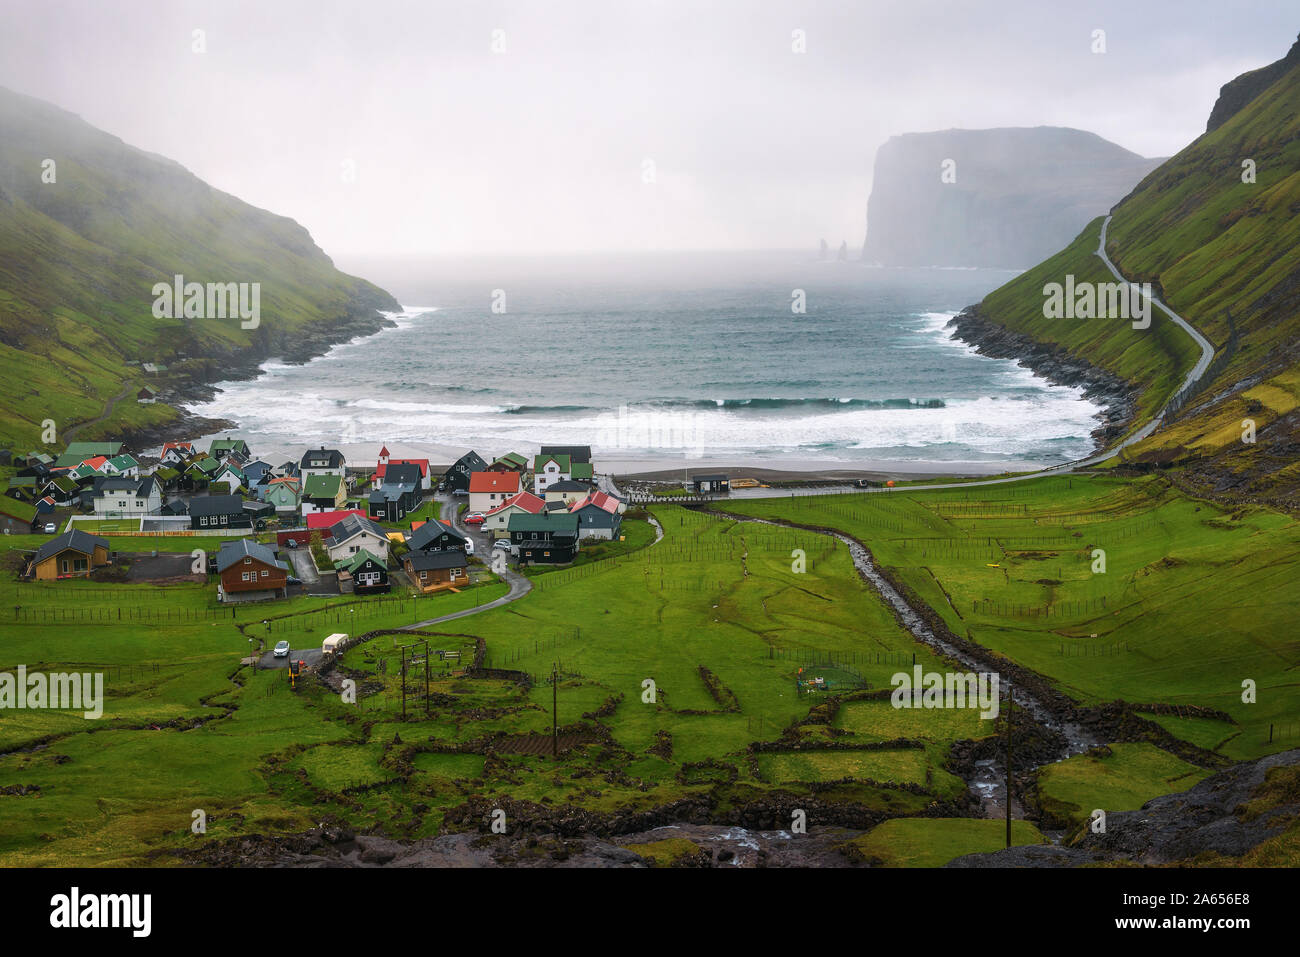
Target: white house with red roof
497 521
487 490
381 470
177 453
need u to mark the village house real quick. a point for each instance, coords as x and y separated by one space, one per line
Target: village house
177 453
433 571
322 462
324 521
487 490
599 516
166 477
575 453
323 493
566 492
78 452
123 465
391 501
222 512
548 469
282 494
73 554
257 472
230 448
497 522
424 482
435 536
353 534
234 477
147 395
456 478
363 574
510 462
545 539
198 474
249 571
125 497
62 489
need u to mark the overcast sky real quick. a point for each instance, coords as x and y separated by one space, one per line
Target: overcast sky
544 147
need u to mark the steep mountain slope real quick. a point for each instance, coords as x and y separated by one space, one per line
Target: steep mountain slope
1001 197
79 257
1224 253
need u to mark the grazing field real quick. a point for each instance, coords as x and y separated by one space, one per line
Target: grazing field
715 615
1192 599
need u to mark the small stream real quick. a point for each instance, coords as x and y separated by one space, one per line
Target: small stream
988 783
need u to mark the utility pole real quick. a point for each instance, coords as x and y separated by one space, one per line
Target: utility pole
1011 705
555 712
426 678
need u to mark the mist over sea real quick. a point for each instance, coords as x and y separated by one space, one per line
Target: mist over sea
659 359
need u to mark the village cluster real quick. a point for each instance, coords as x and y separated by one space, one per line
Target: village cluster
302 522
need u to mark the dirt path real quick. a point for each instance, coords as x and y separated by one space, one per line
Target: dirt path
69 435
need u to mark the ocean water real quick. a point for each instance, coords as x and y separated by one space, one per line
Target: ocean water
660 358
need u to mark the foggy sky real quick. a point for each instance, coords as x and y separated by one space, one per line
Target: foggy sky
458 149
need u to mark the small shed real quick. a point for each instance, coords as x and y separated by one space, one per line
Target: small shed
704 484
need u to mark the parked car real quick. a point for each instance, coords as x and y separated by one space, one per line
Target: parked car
50 528
281 649
292 580
291 543
474 518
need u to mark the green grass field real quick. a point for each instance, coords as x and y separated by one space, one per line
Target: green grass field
720 619
1193 601
713 615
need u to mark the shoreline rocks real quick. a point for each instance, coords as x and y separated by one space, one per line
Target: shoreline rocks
1117 397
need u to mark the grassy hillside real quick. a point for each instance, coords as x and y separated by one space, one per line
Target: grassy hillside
1221 252
79 257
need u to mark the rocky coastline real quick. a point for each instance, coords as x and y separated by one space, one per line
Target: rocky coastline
1117 397
363 317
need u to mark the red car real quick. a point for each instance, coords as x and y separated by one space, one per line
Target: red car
474 518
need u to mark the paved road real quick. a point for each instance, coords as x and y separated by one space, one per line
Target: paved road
304 568
268 661
1207 350
519 584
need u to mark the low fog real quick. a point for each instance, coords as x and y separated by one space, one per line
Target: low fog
403 129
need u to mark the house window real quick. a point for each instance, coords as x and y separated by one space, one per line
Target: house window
547 554
243 576
203 520
225 519
265 573
65 566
